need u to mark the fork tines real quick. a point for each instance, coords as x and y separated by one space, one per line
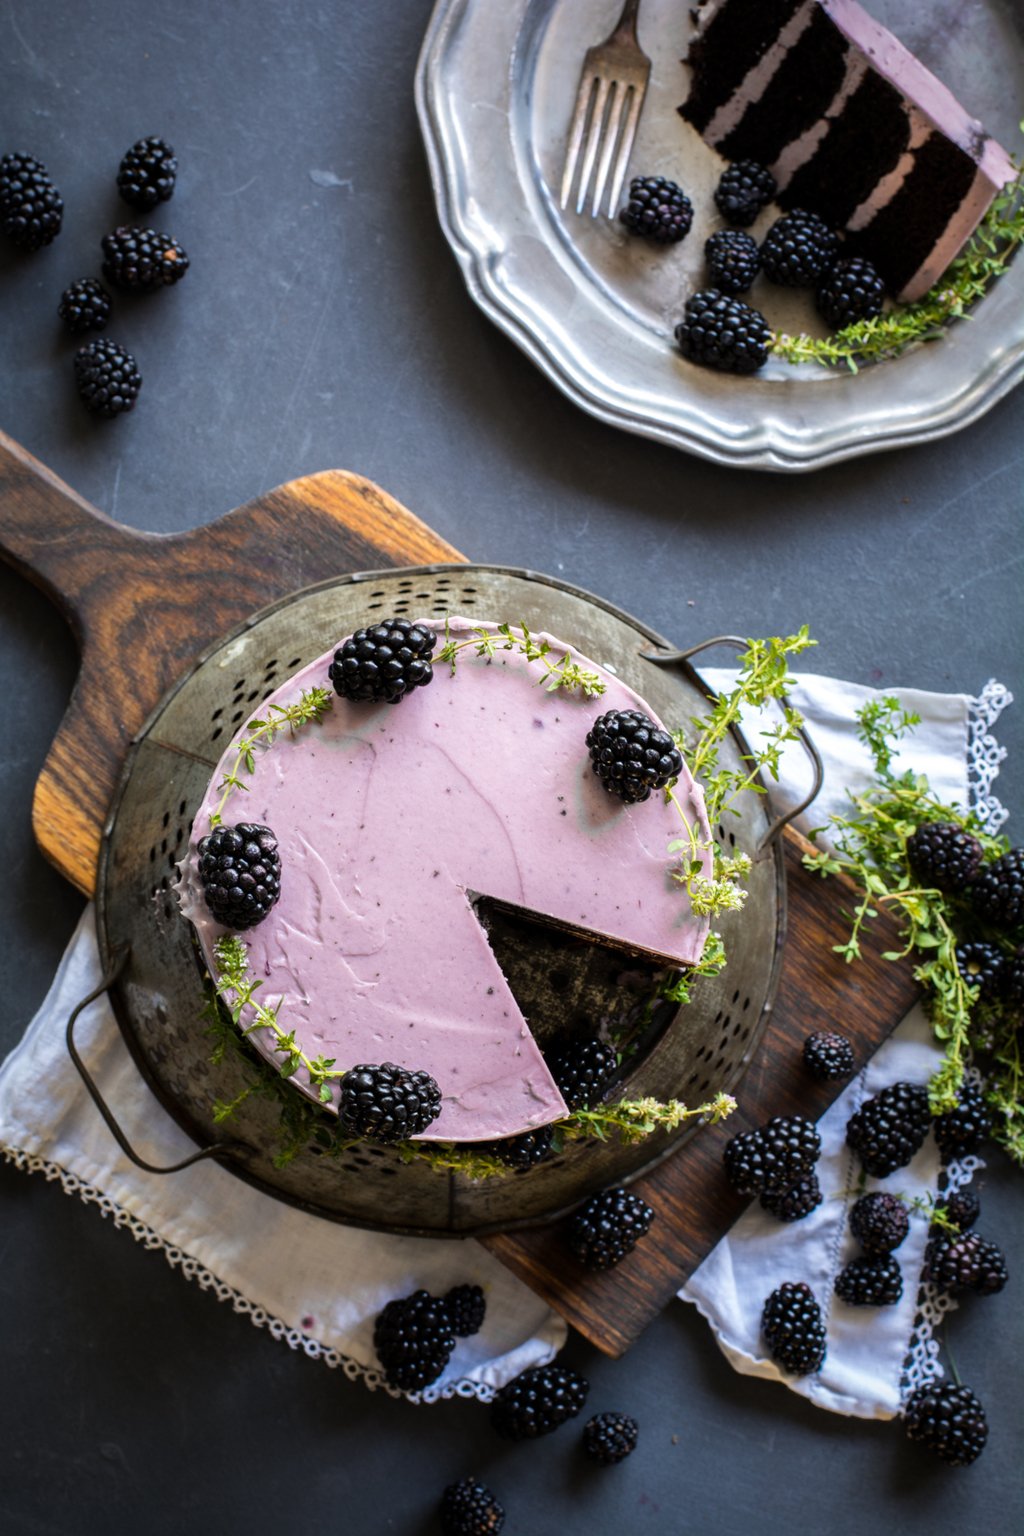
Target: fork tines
611 92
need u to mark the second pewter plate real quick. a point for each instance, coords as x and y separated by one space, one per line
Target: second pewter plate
596 309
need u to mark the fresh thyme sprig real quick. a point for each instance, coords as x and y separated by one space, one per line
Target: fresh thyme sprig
764 675
312 705
238 987
564 673
635 1119
871 847
983 261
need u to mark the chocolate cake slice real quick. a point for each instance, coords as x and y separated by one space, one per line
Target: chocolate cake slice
850 124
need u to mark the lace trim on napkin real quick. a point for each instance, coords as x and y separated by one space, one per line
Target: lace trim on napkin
922 1363
984 755
207 1281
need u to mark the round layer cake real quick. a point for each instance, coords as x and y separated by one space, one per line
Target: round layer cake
392 821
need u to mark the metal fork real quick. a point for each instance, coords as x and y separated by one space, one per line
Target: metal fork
612 87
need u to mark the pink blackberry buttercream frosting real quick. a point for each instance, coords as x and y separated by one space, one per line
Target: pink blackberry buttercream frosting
390 819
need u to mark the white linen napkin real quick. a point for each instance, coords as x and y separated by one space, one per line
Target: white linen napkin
318 1286
874 1355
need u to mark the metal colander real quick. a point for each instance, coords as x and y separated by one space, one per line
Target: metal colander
560 983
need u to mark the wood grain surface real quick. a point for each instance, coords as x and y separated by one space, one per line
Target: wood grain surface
694 1204
142 606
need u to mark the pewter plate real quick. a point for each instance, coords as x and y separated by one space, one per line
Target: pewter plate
596 309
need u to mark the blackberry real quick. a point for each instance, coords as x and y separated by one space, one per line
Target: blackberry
85 306
631 755
949 1420
610 1437
774 1157
887 1130
879 1222
997 893
520 1152
657 209
608 1227
792 1326
383 663
470 1509
796 1203
467 1309
723 333
387 1103
239 870
966 1263
413 1339
31 208
943 855
538 1401
850 290
142 259
982 965
743 190
107 377
870 1282
798 249
961 1208
1013 979
733 260
828 1055
960 1130
147 172
582 1070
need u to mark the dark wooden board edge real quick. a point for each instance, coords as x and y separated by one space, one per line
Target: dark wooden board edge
694 1204
142 606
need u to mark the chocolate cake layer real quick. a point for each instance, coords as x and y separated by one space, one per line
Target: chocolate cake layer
850 124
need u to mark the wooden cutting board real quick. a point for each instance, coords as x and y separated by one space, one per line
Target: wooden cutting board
144 606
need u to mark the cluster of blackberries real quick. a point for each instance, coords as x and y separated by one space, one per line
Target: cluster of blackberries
951 859
536 1403
948 1419
386 1103
383 663
828 1056
135 260
414 1336
959 1260
240 873
776 1161
879 1221
607 1227
718 329
631 755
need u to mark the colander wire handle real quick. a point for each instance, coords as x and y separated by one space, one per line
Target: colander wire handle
114 970
674 658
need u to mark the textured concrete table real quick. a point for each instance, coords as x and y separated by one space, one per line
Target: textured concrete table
325 324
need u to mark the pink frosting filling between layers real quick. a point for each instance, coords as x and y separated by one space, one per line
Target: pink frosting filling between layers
389 820
909 76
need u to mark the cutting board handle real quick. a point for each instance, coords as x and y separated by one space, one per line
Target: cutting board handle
143 606
51 534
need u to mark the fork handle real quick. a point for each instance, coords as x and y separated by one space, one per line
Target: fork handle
625 27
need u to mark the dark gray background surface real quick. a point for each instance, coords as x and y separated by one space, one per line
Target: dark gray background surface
324 323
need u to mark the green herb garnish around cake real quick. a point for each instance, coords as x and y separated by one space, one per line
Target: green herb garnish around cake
303 1123
313 704
763 676
982 262
871 847
557 673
